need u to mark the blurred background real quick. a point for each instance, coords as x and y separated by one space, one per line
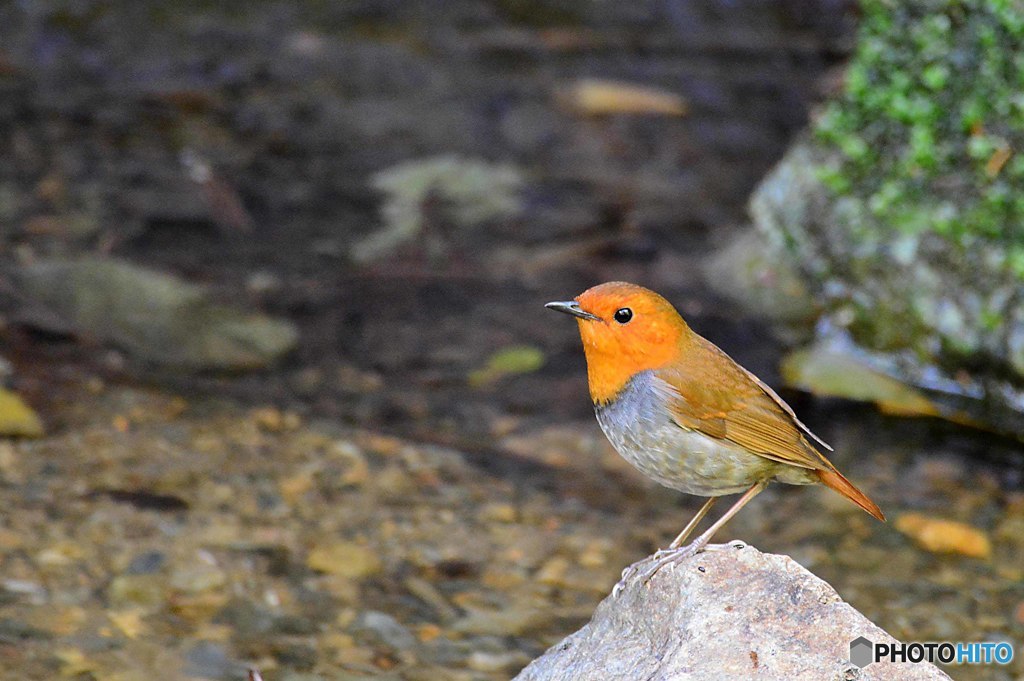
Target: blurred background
279 387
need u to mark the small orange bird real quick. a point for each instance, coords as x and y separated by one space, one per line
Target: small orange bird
683 412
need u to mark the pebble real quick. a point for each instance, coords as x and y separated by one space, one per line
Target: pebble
274 420
385 629
394 483
497 662
146 563
347 559
498 513
128 622
198 577
553 571
595 554
512 621
429 594
147 592
357 469
209 660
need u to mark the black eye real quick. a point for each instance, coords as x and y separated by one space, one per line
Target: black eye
623 315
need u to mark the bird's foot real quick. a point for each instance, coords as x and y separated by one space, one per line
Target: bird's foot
645 570
627 574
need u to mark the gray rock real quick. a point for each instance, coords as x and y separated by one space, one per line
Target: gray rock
154 316
728 614
473 193
385 629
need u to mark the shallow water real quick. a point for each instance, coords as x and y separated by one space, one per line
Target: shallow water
156 537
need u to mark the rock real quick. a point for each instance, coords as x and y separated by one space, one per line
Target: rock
733 613
151 315
906 236
482 661
514 620
147 592
211 661
471 192
146 563
385 629
763 283
198 577
346 559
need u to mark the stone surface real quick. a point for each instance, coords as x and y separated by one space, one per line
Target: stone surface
153 316
733 613
900 210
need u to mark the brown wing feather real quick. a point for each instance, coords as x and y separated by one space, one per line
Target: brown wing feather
747 412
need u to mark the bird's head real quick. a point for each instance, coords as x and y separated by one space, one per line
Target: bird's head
625 329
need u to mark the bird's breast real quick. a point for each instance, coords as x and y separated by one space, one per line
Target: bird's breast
639 425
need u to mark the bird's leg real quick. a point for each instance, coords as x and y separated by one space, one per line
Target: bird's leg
690 526
699 544
628 572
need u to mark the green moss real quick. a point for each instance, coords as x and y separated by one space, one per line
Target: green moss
934 101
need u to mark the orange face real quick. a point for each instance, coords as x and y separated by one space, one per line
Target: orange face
637 330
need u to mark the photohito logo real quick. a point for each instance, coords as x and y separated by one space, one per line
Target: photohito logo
863 652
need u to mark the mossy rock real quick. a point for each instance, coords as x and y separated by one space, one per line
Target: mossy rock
903 209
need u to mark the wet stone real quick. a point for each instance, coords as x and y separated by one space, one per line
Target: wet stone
296 655
346 559
148 592
497 662
146 563
512 621
198 578
385 629
246 618
16 630
210 660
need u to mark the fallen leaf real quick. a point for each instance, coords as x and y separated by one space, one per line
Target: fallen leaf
594 97
17 418
510 361
822 371
945 536
997 160
129 622
73 662
294 487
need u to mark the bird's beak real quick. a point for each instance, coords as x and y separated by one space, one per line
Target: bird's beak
573 308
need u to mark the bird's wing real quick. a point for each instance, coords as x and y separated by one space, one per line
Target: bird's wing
747 412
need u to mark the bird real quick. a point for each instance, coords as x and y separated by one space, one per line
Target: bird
687 415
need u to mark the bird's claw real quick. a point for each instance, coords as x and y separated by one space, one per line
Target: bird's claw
663 557
669 557
624 578
660 559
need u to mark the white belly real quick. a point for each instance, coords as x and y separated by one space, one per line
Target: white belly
638 426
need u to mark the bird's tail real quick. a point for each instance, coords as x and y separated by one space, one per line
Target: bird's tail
833 479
